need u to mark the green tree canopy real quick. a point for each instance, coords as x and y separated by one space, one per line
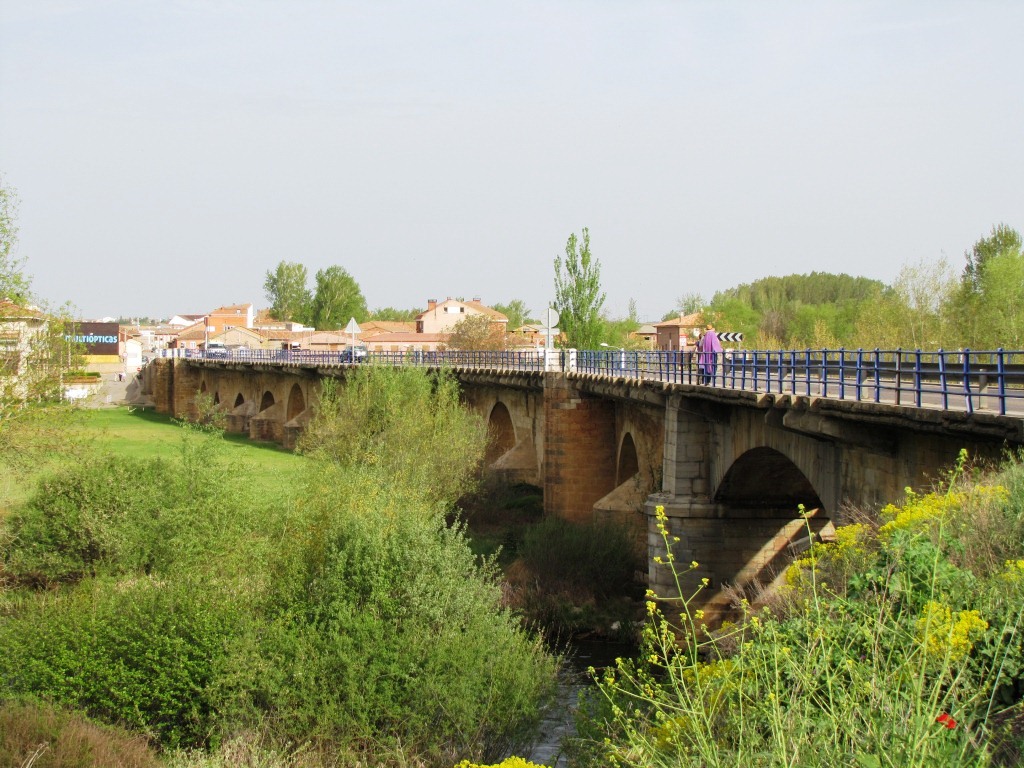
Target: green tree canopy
476 332
618 332
687 304
14 283
993 313
337 299
578 295
1003 240
286 290
517 313
393 314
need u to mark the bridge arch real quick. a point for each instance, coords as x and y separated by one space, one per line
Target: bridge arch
216 398
240 400
758 528
501 433
628 464
267 401
764 478
296 402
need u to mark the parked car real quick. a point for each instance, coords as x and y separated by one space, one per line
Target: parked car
353 355
216 349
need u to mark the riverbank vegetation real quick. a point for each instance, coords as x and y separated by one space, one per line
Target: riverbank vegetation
344 622
575 581
898 645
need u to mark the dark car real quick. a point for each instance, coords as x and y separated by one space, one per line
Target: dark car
352 355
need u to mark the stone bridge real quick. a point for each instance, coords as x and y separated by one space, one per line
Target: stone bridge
730 468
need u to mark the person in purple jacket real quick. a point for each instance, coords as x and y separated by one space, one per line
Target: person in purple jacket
708 350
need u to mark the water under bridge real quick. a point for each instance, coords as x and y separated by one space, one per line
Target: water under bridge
731 459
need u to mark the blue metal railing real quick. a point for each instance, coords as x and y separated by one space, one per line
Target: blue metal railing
964 380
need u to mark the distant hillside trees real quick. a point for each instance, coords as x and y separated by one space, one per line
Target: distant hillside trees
915 312
928 305
792 309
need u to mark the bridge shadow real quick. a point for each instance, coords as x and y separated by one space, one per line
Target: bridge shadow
772 514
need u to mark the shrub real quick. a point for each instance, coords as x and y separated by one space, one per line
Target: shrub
511 762
597 557
355 621
86 518
410 428
385 629
116 515
139 653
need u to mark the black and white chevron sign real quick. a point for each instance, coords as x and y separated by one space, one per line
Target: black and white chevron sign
730 336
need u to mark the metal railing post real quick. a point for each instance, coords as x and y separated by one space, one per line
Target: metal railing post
943 382
917 378
967 380
1001 373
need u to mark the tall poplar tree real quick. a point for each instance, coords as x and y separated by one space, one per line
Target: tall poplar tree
578 295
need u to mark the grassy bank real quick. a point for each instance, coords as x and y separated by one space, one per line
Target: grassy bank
220 598
144 435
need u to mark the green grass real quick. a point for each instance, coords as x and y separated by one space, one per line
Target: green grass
147 434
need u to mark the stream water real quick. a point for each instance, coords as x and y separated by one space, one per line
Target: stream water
559 722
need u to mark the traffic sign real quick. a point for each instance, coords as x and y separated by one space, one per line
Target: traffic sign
552 318
730 336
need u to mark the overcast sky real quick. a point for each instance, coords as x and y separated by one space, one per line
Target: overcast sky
168 153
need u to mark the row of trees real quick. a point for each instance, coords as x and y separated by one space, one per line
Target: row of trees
335 298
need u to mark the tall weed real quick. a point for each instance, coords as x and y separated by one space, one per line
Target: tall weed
896 646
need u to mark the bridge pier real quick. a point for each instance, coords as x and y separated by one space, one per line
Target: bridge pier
735 511
579 449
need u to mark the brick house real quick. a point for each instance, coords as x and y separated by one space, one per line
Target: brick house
672 332
235 315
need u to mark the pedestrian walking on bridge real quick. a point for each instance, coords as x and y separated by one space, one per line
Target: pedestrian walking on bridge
708 350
